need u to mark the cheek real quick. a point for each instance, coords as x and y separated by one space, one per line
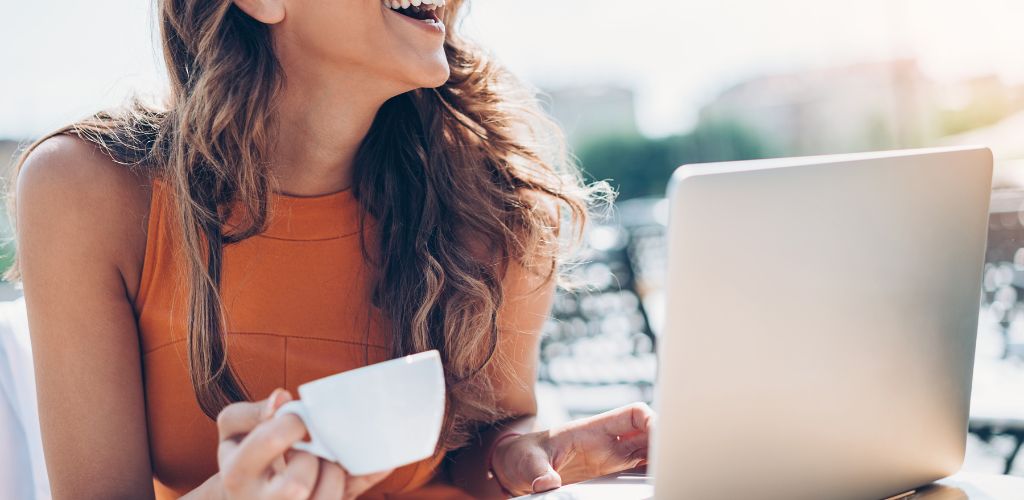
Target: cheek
418 59
359 34
344 31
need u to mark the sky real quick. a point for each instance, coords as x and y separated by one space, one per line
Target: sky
62 60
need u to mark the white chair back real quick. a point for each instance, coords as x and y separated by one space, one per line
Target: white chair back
22 468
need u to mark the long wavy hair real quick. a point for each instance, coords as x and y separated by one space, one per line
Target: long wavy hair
459 179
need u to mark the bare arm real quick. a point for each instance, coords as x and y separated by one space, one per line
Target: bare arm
529 292
540 460
79 228
81 242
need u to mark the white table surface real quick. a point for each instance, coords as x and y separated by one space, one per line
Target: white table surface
634 486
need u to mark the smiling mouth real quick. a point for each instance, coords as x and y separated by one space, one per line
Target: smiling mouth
428 11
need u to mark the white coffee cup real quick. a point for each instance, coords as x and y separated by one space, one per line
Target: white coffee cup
374 418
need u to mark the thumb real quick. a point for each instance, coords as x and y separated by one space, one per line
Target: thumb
547 480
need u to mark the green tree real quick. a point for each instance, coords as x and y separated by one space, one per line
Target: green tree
639 166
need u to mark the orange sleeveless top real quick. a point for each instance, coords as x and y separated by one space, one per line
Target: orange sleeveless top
297 307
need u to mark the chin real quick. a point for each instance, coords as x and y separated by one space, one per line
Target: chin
428 72
437 78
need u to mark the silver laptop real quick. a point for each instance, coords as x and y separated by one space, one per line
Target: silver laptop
820 324
820 328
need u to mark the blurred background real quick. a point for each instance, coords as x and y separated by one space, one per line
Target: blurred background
640 89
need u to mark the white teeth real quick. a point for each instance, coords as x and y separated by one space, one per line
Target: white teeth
424 5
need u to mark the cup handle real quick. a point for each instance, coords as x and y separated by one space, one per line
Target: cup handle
313 446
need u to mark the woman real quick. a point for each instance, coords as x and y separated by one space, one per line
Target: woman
330 184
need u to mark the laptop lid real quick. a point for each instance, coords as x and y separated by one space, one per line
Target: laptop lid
820 324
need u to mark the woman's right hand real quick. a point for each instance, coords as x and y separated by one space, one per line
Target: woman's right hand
256 460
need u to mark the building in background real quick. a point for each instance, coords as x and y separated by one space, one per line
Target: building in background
861 107
593 111
850 108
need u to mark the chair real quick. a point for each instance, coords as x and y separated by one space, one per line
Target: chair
22 468
995 411
598 350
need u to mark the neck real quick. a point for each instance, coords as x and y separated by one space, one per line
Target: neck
322 120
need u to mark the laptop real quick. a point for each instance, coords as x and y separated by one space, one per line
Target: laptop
820 327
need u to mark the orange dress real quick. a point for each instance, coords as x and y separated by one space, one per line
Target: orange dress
297 308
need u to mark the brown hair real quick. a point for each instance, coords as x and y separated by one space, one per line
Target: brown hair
484 166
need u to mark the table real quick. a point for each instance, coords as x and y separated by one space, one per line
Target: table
969 486
993 411
635 486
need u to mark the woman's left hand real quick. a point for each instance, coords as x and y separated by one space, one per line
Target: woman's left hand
583 449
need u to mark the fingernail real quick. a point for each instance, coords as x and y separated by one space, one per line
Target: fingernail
271 405
547 482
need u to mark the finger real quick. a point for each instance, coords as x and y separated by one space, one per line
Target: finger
297 480
268 441
279 398
330 483
535 473
633 446
628 420
286 491
357 485
632 451
279 463
546 481
238 419
241 418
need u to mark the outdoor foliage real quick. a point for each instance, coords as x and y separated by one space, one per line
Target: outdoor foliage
638 166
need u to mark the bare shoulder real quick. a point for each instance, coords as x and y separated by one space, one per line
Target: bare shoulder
68 187
65 169
81 240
